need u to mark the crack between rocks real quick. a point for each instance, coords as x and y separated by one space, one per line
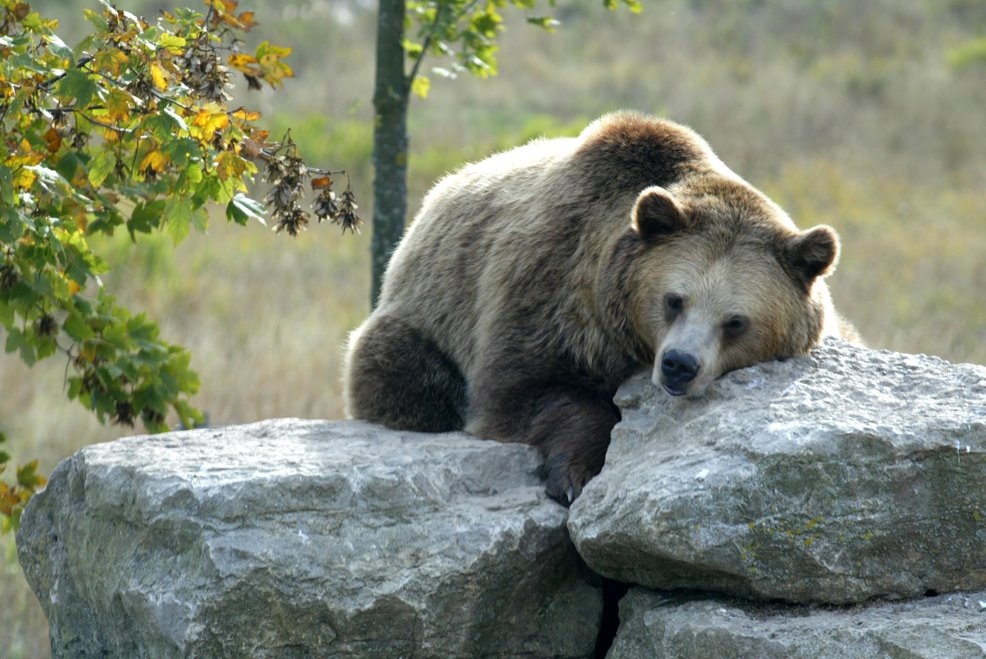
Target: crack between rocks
613 592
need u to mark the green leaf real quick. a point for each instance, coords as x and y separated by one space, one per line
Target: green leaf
200 220
101 167
46 347
15 339
211 188
77 85
176 118
74 387
178 366
28 476
33 22
171 41
487 23
178 213
142 330
186 154
21 341
412 49
6 314
58 47
68 165
241 208
8 196
146 216
77 328
11 225
546 23
190 416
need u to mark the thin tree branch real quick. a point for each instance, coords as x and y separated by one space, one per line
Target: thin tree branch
430 37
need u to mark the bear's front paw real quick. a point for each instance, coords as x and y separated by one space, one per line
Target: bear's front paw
563 481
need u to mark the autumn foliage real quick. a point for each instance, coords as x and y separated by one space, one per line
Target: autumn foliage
128 130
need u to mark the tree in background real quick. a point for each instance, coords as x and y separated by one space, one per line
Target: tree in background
129 130
463 32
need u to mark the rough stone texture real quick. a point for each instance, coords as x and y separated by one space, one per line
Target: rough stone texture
837 477
663 625
300 538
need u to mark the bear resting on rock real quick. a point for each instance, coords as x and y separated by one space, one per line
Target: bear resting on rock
534 282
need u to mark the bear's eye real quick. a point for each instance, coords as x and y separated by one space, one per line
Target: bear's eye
674 304
735 326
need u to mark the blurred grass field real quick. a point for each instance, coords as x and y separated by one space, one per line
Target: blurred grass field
866 117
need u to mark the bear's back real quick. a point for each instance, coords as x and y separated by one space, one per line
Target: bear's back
490 235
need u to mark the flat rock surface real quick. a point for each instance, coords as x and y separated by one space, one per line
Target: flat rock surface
837 477
665 625
305 538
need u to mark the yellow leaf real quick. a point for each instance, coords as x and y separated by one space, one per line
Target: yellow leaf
246 115
267 50
246 63
420 86
118 106
172 42
158 76
111 62
223 6
229 165
8 499
207 121
154 160
25 155
269 56
24 178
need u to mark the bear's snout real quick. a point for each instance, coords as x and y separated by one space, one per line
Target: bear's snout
678 369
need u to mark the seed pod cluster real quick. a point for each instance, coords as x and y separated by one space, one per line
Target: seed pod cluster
203 71
347 217
287 174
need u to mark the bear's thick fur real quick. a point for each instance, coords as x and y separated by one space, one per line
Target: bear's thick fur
533 283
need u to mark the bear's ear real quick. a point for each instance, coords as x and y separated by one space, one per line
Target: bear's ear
812 254
657 214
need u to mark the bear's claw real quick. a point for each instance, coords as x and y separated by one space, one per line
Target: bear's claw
562 481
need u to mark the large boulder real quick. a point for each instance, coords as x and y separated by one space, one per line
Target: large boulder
837 477
303 538
666 625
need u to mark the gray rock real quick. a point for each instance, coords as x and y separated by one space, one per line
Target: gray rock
300 538
837 477
664 625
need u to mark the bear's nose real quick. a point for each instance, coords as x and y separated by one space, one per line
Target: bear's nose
679 368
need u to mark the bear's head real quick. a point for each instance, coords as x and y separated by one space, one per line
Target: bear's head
723 280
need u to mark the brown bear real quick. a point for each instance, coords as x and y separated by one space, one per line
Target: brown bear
532 283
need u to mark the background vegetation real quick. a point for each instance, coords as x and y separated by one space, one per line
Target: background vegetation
867 116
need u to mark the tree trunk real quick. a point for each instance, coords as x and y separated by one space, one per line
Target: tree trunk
390 140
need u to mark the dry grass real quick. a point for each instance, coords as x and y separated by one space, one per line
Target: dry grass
845 113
